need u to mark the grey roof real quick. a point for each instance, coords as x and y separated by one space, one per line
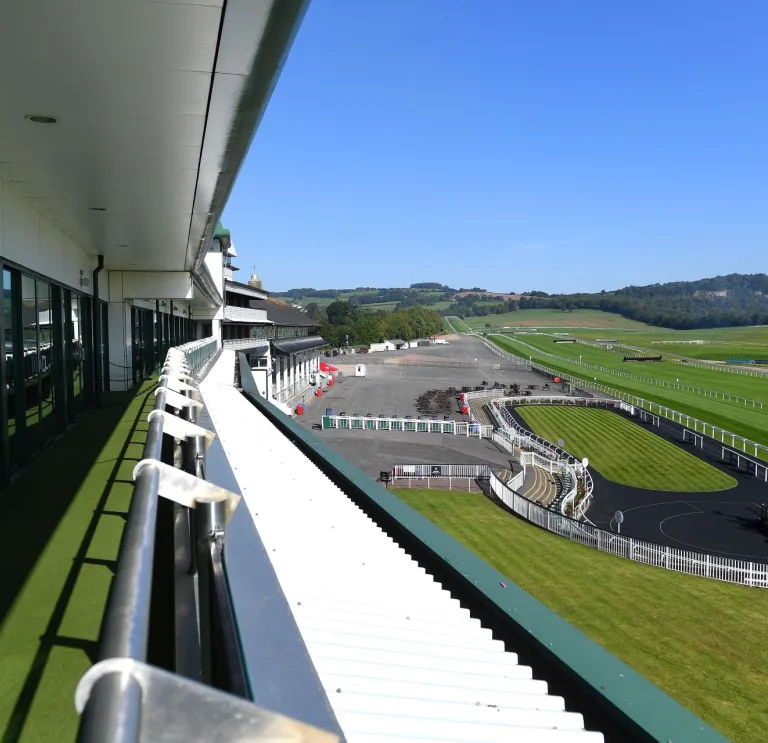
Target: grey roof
294 345
397 341
237 287
281 314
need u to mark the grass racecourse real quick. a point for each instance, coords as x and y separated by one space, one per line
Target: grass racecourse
701 641
612 444
743 419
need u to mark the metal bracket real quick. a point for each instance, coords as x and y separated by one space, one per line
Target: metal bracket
175 709
175 426
175 372
177 400
186 489
173 382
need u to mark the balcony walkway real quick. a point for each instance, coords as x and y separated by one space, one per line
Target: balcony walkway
397 655
62 523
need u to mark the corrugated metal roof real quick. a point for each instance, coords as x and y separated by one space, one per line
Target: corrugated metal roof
294 345
399 658
282 314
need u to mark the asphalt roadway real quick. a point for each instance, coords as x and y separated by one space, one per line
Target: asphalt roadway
723 522
395 379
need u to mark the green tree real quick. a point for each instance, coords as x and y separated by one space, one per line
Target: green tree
367 329
341 312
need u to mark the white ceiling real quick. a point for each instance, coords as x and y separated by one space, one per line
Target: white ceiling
129 81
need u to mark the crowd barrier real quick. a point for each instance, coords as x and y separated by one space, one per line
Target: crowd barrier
371 423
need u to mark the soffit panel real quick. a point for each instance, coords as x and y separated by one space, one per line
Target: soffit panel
129 82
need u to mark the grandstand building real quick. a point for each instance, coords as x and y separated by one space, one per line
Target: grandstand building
181 559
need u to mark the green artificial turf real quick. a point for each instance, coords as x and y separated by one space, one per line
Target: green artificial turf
622 451
63 520
701 641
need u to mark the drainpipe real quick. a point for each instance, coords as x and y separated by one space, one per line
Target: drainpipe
97 332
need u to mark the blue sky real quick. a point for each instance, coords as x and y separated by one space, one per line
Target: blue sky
513 145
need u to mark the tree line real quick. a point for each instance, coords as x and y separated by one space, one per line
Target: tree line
345 324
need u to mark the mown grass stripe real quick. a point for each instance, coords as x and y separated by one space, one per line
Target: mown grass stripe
623 452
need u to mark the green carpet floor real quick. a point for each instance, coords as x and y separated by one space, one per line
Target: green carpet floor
62 522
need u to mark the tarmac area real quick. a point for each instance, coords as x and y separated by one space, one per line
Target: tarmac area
394 381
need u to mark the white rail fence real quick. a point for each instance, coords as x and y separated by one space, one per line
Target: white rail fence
715 432
681 561
511 434
366 423
441 470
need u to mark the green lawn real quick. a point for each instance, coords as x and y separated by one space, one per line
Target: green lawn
744 421
556 319
701 641
622 451
669 371
455 323
720 343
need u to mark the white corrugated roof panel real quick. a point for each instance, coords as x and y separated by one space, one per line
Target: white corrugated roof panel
398 657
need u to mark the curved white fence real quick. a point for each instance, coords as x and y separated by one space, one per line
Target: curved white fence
544 454
681 561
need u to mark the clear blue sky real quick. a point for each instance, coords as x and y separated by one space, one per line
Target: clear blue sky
513 145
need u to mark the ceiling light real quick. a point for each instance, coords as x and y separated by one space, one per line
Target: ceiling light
98 208
41 119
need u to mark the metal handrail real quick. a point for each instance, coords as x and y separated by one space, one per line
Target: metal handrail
113 710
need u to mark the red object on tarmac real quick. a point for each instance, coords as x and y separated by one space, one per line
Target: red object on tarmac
461 397
557 380
330 381
327 367
319 392
300 409
465 410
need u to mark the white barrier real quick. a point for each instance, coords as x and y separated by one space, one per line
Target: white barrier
681 561
366 423
440 470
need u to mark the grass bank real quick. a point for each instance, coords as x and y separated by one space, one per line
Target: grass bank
701 641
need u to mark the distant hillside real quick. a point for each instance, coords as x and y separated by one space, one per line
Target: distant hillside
722 301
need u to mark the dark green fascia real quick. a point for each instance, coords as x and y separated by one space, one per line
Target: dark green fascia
221 232
638 707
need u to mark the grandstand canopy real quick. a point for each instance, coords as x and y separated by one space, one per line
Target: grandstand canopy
141 114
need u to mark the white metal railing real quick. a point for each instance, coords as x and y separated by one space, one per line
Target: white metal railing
371 423
682 561
546 455
245 314
699 426
440 470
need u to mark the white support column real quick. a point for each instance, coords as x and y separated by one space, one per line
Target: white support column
278 380
120 346
292 376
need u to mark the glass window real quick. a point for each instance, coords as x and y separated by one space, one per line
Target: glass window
31 365
75 354
10 368
45 370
